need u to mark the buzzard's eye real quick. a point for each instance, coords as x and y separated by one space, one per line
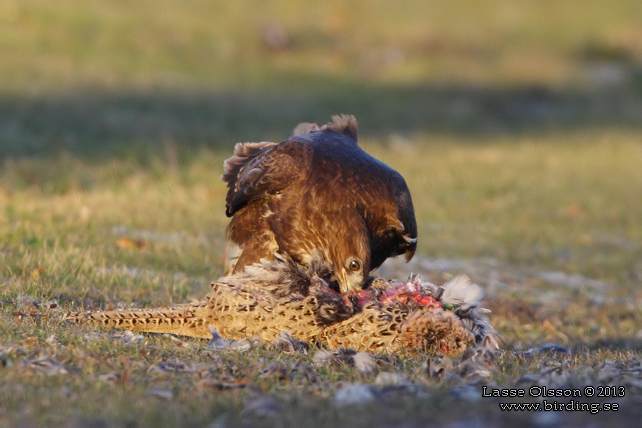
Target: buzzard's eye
355 265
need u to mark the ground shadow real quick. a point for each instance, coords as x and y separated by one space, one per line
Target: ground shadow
105 122
622 344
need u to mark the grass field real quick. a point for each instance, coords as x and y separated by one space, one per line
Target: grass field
516 125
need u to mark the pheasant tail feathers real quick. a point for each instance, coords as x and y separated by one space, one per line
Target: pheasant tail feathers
186 320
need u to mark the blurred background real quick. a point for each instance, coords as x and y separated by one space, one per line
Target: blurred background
102 79
516 124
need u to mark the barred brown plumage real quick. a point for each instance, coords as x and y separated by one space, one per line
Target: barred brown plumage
317 190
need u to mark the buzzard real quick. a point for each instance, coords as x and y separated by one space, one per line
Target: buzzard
317 191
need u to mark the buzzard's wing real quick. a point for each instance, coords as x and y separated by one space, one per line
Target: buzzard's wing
258 170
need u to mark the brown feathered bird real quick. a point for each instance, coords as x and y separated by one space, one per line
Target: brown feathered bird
317 190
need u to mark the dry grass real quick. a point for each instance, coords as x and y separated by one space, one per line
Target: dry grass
517 127
507 214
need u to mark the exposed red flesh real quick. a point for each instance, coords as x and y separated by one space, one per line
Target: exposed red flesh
406 293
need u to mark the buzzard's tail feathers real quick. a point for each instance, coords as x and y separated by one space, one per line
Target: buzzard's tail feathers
185 320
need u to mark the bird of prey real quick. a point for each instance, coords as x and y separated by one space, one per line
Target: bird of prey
317 191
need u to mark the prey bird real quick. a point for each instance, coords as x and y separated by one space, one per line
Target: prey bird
277 296
317 190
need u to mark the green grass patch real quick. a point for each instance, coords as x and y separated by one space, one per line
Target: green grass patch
516 126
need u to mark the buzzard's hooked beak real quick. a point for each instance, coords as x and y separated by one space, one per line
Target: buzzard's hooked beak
412 246
344 282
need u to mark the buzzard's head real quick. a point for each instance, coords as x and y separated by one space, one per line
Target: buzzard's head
351 261
352 275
